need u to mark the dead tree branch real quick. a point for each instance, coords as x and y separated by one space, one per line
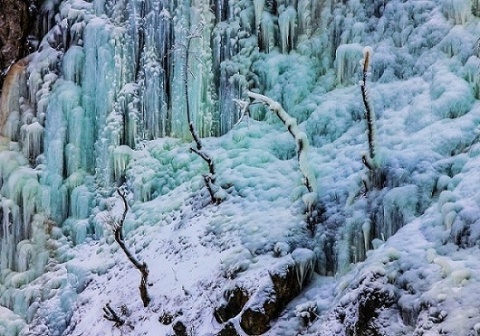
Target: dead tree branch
369 112
374 177
301 140
243 107
141 266
110 314
209 178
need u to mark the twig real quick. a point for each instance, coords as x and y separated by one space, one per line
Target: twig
243 107
111 315
209 179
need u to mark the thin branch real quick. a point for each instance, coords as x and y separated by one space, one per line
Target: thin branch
110 314
209 179
195 136
369 112
141 266
206 158
243 108
292 127
302 145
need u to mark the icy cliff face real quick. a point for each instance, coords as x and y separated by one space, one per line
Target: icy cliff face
98 103
111 73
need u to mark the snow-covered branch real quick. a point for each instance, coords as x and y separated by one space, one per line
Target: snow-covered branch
300 137
370 161
209 178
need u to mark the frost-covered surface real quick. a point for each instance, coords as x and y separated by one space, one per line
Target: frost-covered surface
101 104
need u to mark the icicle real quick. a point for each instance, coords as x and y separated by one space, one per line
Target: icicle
121 158
399 207
366 229
179 126
258 9
305 20
33 143
267 33
11 228
200 63
287 23
154 100
73 64
48 11
459 11
471 70
347 58
81 201
25 252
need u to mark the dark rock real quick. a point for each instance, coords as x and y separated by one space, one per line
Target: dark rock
15 25
236 300
307 312
256 318
228 330
286 281
372 294
167 318
179 328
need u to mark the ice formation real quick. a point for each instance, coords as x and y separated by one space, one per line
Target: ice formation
101 103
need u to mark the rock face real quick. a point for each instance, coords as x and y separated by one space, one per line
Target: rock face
15 25
372 294
235 301
285 281
14 87
228 330
288 279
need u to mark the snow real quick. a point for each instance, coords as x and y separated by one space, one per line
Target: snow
101 105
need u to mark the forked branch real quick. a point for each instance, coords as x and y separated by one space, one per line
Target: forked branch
209 178
110 314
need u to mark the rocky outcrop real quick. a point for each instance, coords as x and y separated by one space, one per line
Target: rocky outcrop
285 281
359 310
235 301
14 87
16 19
228 330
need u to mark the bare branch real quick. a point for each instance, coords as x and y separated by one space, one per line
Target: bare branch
292 127
141 266
198 149
302 145
369 112
111 315
206 158
243 108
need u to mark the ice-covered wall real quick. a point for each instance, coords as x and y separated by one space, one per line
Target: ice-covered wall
109 75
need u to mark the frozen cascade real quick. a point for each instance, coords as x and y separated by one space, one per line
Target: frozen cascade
96 84
287 24
109 75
